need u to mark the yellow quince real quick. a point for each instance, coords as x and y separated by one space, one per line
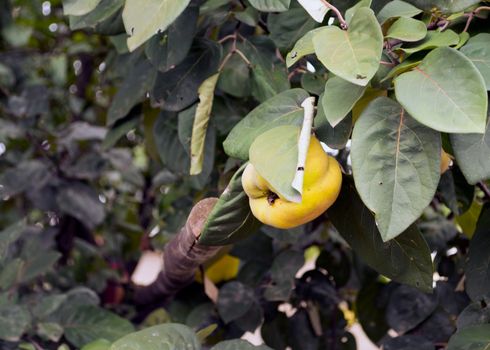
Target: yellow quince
321 187
221 270
446 161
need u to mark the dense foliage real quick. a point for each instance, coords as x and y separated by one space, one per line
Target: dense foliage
109 133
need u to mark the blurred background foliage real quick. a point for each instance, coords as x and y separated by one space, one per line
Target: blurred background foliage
94 172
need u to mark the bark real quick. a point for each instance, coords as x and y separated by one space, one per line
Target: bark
182 256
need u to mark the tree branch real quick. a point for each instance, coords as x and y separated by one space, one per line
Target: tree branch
182 256
343 23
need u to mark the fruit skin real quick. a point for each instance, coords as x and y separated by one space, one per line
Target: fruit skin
321 187
445 161
223 269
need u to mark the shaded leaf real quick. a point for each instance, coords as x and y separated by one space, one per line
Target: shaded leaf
395 161
477 49
177 88
238 344
354 54
405 259
283 109
28 175
477 268
432 93
234 300
85 324
287 27
137 83
443 5
472 152
9 235
283 271
231 219
168 49
104 10
339 98
471 338
14 321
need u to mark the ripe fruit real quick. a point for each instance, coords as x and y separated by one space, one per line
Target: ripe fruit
321 187
445 161
223 269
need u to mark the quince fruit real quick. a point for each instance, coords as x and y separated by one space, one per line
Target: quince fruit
321 187
445 161
221 270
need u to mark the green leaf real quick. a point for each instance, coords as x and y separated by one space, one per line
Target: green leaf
407 29
9 235
168 49
283 272
177 88
432 93
14 321
433 40
395 161
99 344
477 268
304 46
201 120
39 264
271 5
25 176
274 155
10 272
165 336
133 90
142 21
472 152
339 98
238 344
104 10
87 323
405 259
477 49
283 109
403 67
397 8
79 7
231 219
351 11
444 5
287 27
471 338
354 54
50 331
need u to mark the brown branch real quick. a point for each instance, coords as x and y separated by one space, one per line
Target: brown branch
472 14
343 23
182 256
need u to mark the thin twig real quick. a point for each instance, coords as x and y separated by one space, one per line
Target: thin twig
226 38
243 57
472 15
484 189
384 63
343 23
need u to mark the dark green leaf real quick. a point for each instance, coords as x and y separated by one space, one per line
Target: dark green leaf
14 321
474 314
271 5
165 336
433 40
231 219
234 301
29 175
171 47
283 271
443 5
88 323
137 83
478 266
371 308
287 27
104 10
238 344
9 235
405 259
472 152
177 88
